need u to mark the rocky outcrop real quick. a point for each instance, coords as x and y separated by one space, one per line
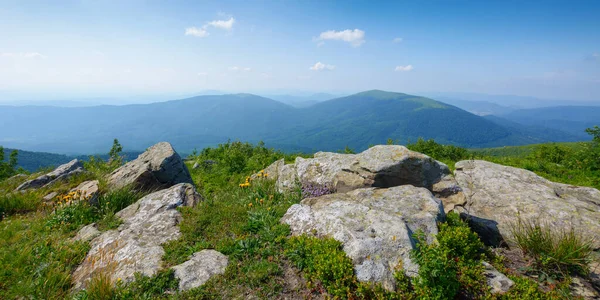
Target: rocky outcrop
451 194
136 245
498 196
62 172
379 166
200 268
157 168
374 225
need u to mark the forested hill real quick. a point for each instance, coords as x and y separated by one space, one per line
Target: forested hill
356 121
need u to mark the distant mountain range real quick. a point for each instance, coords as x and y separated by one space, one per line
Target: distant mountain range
356 121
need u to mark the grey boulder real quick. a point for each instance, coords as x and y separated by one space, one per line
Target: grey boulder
62 172
375 226
136 245
157 168
200 268
378 166
497 197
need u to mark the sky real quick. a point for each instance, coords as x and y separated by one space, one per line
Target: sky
90 49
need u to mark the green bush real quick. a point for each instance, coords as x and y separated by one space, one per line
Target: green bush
437 151
7 169
557 252
324 261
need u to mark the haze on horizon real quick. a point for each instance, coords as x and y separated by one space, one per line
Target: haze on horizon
94 49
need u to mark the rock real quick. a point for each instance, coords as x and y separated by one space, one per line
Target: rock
374 225
200 268
497 196
62 172
451 194
50 196
87 233
88 191
379 166
157 168
497 281
196 165
136 245
579 288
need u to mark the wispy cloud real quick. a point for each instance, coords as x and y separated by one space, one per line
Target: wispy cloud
403 68
319 66
221 24
203 31
23 55
240 69
197 32
397 40
355 37
202 74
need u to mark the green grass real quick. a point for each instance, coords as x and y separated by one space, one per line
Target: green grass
37 256
557 252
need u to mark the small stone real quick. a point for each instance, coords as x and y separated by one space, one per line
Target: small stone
87 233
200 268
497 281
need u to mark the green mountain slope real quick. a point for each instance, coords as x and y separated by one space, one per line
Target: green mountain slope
374 116
357 121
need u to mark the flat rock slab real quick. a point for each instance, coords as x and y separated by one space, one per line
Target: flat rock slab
200 268
497 196
62 172
136 245
374 225
157 168
378 166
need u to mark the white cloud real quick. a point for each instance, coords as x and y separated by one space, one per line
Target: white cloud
403 68
197 32
202 74
355 37
319 66
23 55
221 24
265 75
203 31
397 40
236 69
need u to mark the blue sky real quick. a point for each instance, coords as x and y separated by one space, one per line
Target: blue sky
93 49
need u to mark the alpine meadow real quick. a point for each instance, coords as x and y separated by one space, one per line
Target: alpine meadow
299 150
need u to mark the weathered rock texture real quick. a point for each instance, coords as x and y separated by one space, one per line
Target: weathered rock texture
497 281
62 172
136 245
88 191
87 233
200 268
497 196
374 225
157 168
379 166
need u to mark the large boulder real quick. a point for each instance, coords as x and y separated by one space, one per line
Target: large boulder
200 268
379 166
498 196
136 245
375 226
157 168
62 172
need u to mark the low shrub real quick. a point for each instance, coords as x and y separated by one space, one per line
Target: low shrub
323 260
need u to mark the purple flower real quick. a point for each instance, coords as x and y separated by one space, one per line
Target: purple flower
310 190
